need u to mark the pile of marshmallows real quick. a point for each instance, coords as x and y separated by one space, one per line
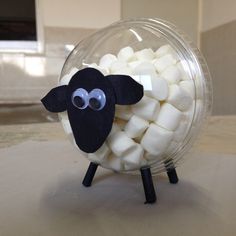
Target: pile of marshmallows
147 131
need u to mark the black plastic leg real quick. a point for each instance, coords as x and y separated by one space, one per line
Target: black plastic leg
172 175
171 172
148 185
88 178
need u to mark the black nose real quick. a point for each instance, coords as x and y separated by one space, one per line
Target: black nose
91 127
90 139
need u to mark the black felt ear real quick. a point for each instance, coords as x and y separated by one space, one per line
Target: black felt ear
55 100
127 90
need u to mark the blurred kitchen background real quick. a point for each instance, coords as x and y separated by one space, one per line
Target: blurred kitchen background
37 35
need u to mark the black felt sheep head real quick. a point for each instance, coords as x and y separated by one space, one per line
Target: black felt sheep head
90 99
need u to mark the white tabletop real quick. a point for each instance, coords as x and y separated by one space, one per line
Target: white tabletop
41 191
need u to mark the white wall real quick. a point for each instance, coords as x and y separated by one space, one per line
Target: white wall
80 13
217 12
99 13
182 13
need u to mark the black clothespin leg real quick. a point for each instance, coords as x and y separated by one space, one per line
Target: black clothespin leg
148 185
171 172
88 178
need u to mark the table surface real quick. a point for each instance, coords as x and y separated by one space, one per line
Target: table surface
41 191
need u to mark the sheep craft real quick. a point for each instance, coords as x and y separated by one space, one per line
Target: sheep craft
131 107
89 100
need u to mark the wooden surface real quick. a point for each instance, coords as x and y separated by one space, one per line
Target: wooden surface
41 191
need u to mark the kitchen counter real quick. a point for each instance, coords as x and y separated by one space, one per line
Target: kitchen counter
41 191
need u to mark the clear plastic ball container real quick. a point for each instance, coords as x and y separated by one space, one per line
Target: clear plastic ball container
158 130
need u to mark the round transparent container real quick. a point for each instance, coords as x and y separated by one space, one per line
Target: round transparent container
176 60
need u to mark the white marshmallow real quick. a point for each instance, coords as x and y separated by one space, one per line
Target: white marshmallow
144 68
105 71
181 131
171 74
114 163
146 54
156 139
150 157
66 78
125 71
169 117
144 73
123 112
133 157
119 143
135 126
107 60
147 108
100 155
134 64
165 49
188 115
163 62
159 88
188 86
179 98
125 54
117 65
172 147
184 72
115 128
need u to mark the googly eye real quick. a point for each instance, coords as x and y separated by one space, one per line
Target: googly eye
80 98
97 99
